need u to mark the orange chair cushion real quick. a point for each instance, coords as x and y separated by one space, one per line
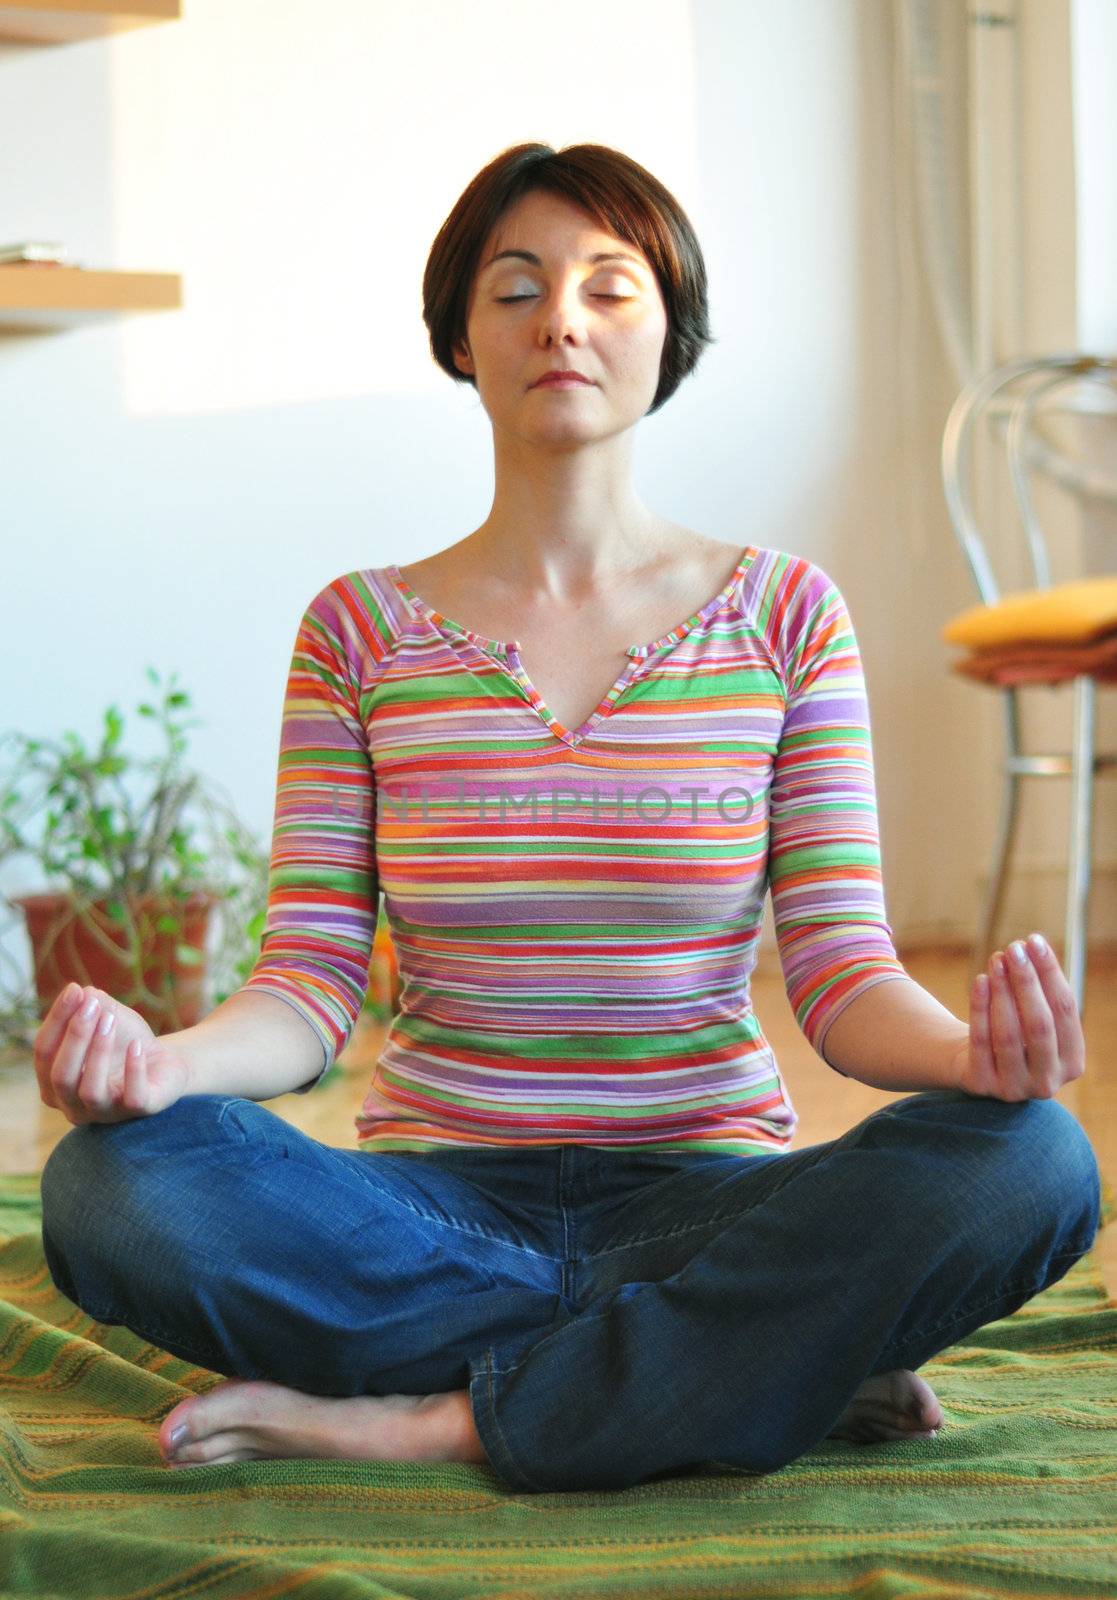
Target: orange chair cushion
1069 613
1012 665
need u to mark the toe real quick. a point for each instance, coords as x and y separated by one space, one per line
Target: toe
923 1407
174 1431
901 1399
201 1415
909 1433
219 1447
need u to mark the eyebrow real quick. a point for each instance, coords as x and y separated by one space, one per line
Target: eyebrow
602 255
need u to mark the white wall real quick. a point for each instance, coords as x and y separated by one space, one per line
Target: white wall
177 487
1094 43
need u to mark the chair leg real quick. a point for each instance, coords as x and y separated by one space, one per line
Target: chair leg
1083 764
1006 834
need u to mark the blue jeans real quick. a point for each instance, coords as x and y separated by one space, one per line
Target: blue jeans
616 1315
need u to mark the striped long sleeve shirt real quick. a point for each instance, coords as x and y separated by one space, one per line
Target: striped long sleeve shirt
576 912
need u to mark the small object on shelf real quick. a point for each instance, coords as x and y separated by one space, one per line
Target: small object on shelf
35 250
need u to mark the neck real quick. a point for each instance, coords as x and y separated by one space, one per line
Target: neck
564 526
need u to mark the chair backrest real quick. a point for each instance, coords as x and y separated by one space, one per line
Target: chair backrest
1034 378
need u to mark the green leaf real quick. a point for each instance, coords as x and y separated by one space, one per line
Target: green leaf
167 924
115 909
187 956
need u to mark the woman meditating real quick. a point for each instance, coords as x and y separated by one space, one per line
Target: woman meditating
574 751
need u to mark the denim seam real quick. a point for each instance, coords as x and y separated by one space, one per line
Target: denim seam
672 1233
966 1312
581 1319
734 1213
155 1336
511 1467
455 1227
730 1214
569 1272
599 1316
416 1211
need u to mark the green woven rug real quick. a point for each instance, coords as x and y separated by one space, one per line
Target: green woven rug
1017 1496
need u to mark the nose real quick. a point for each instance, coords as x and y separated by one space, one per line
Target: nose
562 317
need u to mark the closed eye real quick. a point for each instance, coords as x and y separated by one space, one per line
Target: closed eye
507 299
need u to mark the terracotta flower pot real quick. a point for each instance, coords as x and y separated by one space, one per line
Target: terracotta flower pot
91 948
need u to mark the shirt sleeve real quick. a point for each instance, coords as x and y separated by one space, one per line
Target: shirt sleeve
824 843
322 885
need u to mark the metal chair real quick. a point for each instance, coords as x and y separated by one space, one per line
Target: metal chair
1033 379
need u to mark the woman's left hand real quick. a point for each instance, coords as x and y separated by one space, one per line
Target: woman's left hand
1026 1036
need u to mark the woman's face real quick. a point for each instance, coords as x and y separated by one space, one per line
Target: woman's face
604 319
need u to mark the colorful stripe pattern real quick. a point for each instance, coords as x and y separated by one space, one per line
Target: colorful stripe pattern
576 913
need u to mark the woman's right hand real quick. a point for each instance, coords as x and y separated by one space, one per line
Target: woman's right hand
114 1075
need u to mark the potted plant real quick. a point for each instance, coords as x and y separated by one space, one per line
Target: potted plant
138 855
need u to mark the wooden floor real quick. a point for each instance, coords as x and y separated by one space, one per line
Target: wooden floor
827 1103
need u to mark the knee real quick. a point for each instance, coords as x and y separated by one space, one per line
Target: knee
64 1180
82 1170
1064 1165
72 1199
1011 1162
1042 1157
101 1177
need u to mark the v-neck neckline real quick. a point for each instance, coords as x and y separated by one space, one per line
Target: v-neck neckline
638 654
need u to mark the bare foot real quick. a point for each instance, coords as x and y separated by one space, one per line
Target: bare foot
890 1405
248 1419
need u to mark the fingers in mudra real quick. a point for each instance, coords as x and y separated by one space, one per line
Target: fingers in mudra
1026 1036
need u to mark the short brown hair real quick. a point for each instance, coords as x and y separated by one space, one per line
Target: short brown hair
622 197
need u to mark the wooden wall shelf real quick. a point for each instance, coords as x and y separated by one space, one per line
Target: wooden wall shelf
36 298
64 21
47 297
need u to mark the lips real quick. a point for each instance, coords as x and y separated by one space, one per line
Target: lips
560 379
